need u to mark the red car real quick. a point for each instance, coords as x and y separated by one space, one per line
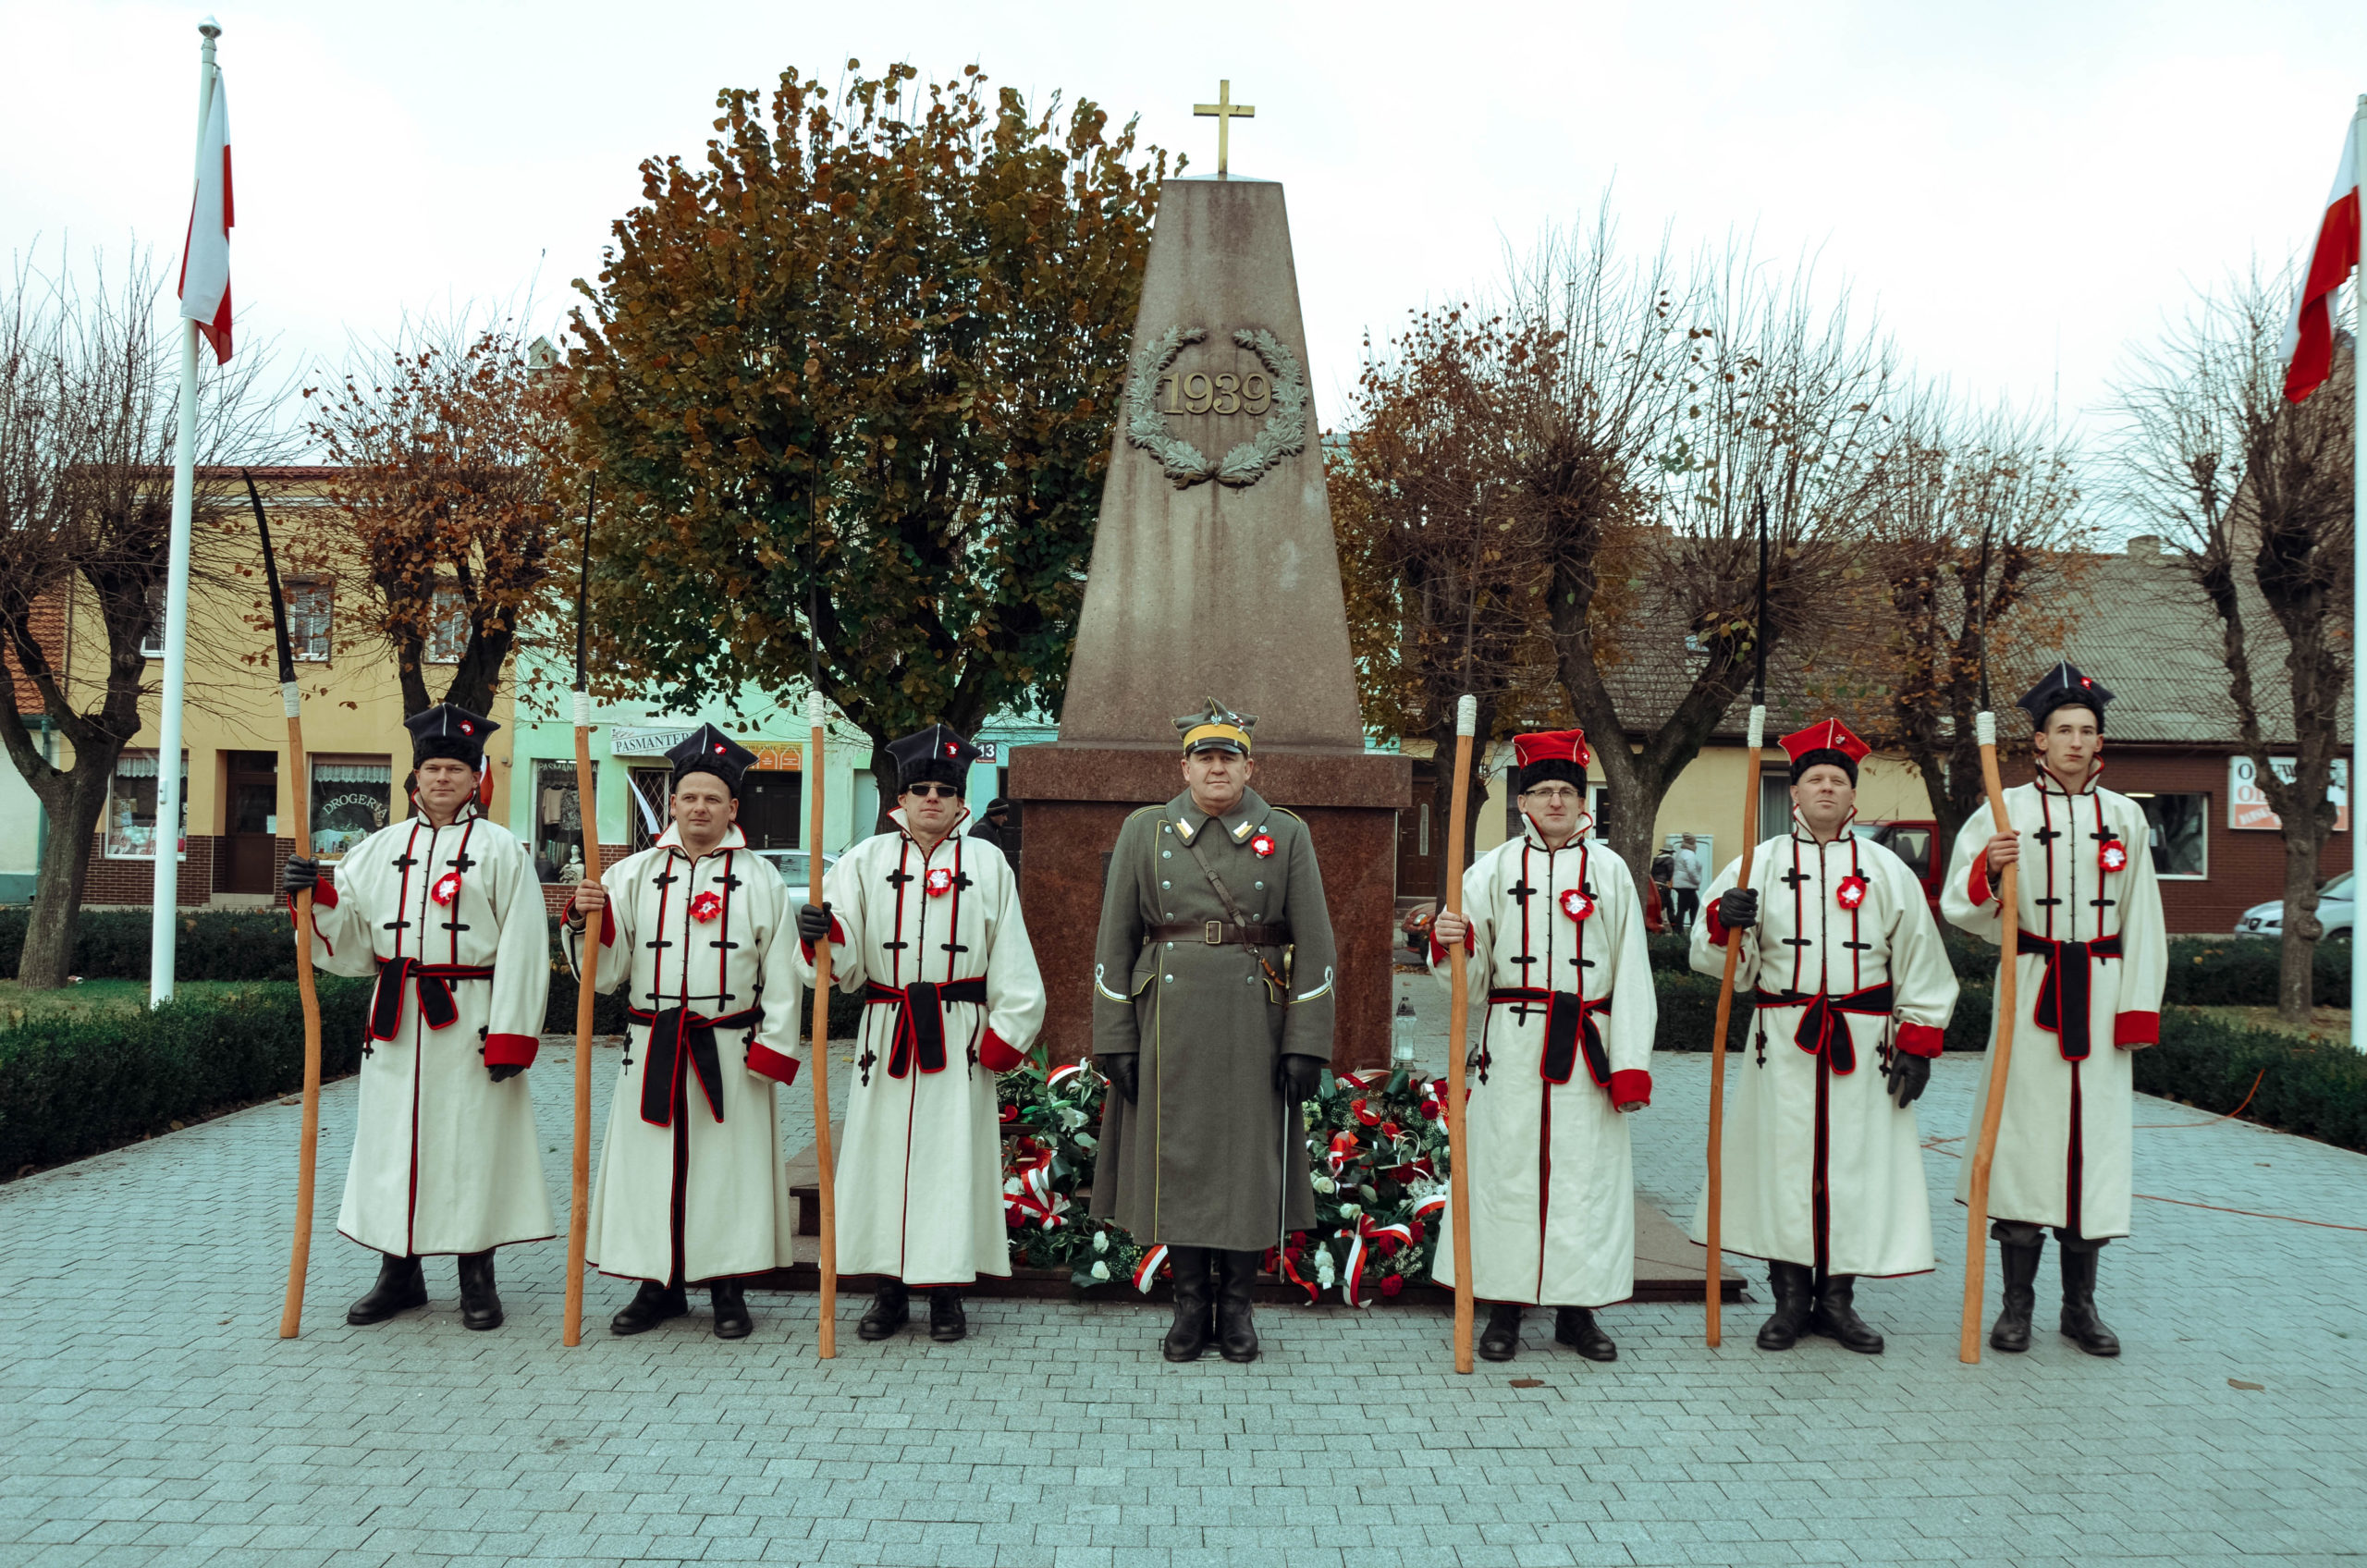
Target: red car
1912 842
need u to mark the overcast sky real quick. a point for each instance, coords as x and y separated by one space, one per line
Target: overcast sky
2021 189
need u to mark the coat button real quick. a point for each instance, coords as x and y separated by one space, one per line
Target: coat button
1259 886
1166 885
1169 979
1167 855
1171 947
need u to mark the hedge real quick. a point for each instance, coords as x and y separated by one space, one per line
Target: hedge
2314 1087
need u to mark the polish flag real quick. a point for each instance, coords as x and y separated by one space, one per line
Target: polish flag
206 261
2308 350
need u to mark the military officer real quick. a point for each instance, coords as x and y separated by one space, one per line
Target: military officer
1824 1168
445 909
1212 1016
2092 958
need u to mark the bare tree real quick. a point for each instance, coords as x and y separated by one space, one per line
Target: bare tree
1971 554
2255 495
1675 405
89 381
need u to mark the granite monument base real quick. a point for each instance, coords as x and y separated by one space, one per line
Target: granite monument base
1074 797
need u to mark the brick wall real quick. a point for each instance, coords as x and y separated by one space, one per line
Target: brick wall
556 894
118 882
2244 868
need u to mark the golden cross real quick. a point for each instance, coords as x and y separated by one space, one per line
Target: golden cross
1224 109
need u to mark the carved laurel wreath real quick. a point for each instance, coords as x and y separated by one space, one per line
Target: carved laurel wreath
1284 435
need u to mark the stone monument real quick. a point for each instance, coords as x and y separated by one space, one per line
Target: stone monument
1214 574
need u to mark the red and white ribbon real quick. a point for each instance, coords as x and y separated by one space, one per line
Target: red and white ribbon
1360 1250
1148 1269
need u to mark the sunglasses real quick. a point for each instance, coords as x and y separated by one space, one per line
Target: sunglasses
934 792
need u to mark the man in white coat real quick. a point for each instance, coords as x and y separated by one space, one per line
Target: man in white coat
700 932
2093 957
924 923
1556 925
445 909
1824 1165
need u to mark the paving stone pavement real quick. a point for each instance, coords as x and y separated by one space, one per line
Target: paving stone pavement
153 1416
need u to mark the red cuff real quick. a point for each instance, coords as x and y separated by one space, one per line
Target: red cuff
510 1050
838 939
1470 944
323 896
2137 1029
1718 933
1980 889
607 922
1921 1040
1631 1086
998 1055
772 1064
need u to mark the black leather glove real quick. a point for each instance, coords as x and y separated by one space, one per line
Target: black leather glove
1299 1076
1908 1073
504 1071
812 921
301 874
1123 1071
1738 909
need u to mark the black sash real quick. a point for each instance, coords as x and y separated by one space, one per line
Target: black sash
2064 994
432 981
1569 1027
920 1018
1822 1031
664 1058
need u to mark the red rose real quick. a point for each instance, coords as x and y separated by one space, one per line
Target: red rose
1391 1283
1419 1232
1429 1110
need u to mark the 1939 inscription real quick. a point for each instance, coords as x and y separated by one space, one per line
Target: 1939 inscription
1200 393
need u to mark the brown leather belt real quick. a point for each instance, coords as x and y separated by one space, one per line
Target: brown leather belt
1223 933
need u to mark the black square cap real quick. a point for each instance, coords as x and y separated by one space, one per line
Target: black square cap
2064 686
447 730
710 750
938 754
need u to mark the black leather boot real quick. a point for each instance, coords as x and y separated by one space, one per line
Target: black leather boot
1236 1335
480 1305
2011 1333
1189 1334
1794 1285
946 1321
1499 1341
400 1287
651 1306
1575 1326
2081 1324
1835 1317
891 1310
731 1319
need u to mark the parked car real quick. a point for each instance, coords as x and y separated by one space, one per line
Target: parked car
2338 901
795 868
1912 842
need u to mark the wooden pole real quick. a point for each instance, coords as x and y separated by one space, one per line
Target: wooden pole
308 1143
1713 1268
1466 720
587 990
2001 1054
826 1176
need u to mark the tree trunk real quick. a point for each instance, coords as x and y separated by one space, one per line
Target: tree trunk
74 807
2297 951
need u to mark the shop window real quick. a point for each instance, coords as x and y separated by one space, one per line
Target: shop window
352 799
2177 825
132 807
650 808
559 824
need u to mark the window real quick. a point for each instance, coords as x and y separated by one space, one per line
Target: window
1774 802
1913 846
559 824
2177 825
652 788
151 642
448 626
352 799
132 807
308 617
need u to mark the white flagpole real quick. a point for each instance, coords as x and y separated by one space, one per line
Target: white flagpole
2358 565
163 926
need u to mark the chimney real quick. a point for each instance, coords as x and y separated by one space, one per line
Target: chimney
2145 546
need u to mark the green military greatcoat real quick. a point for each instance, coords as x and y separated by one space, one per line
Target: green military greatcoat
1198 1160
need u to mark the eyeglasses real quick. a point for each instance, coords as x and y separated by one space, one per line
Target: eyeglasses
1551 796
934 792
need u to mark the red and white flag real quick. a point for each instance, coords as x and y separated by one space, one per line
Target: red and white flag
2308 338
205 262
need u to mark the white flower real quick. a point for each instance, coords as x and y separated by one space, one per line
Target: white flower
1350 1210
1100 1269
1010 1185
1101 1241
1325 1185
1323 1273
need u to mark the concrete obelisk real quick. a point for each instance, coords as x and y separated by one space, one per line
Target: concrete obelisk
1214 574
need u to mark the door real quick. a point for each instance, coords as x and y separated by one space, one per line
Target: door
769 809
1421 837
250 823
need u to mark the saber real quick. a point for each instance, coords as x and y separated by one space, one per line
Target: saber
578 1214
2001 1048
308 1143
1713 1270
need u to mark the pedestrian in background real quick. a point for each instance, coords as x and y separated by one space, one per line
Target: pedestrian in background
1685 882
